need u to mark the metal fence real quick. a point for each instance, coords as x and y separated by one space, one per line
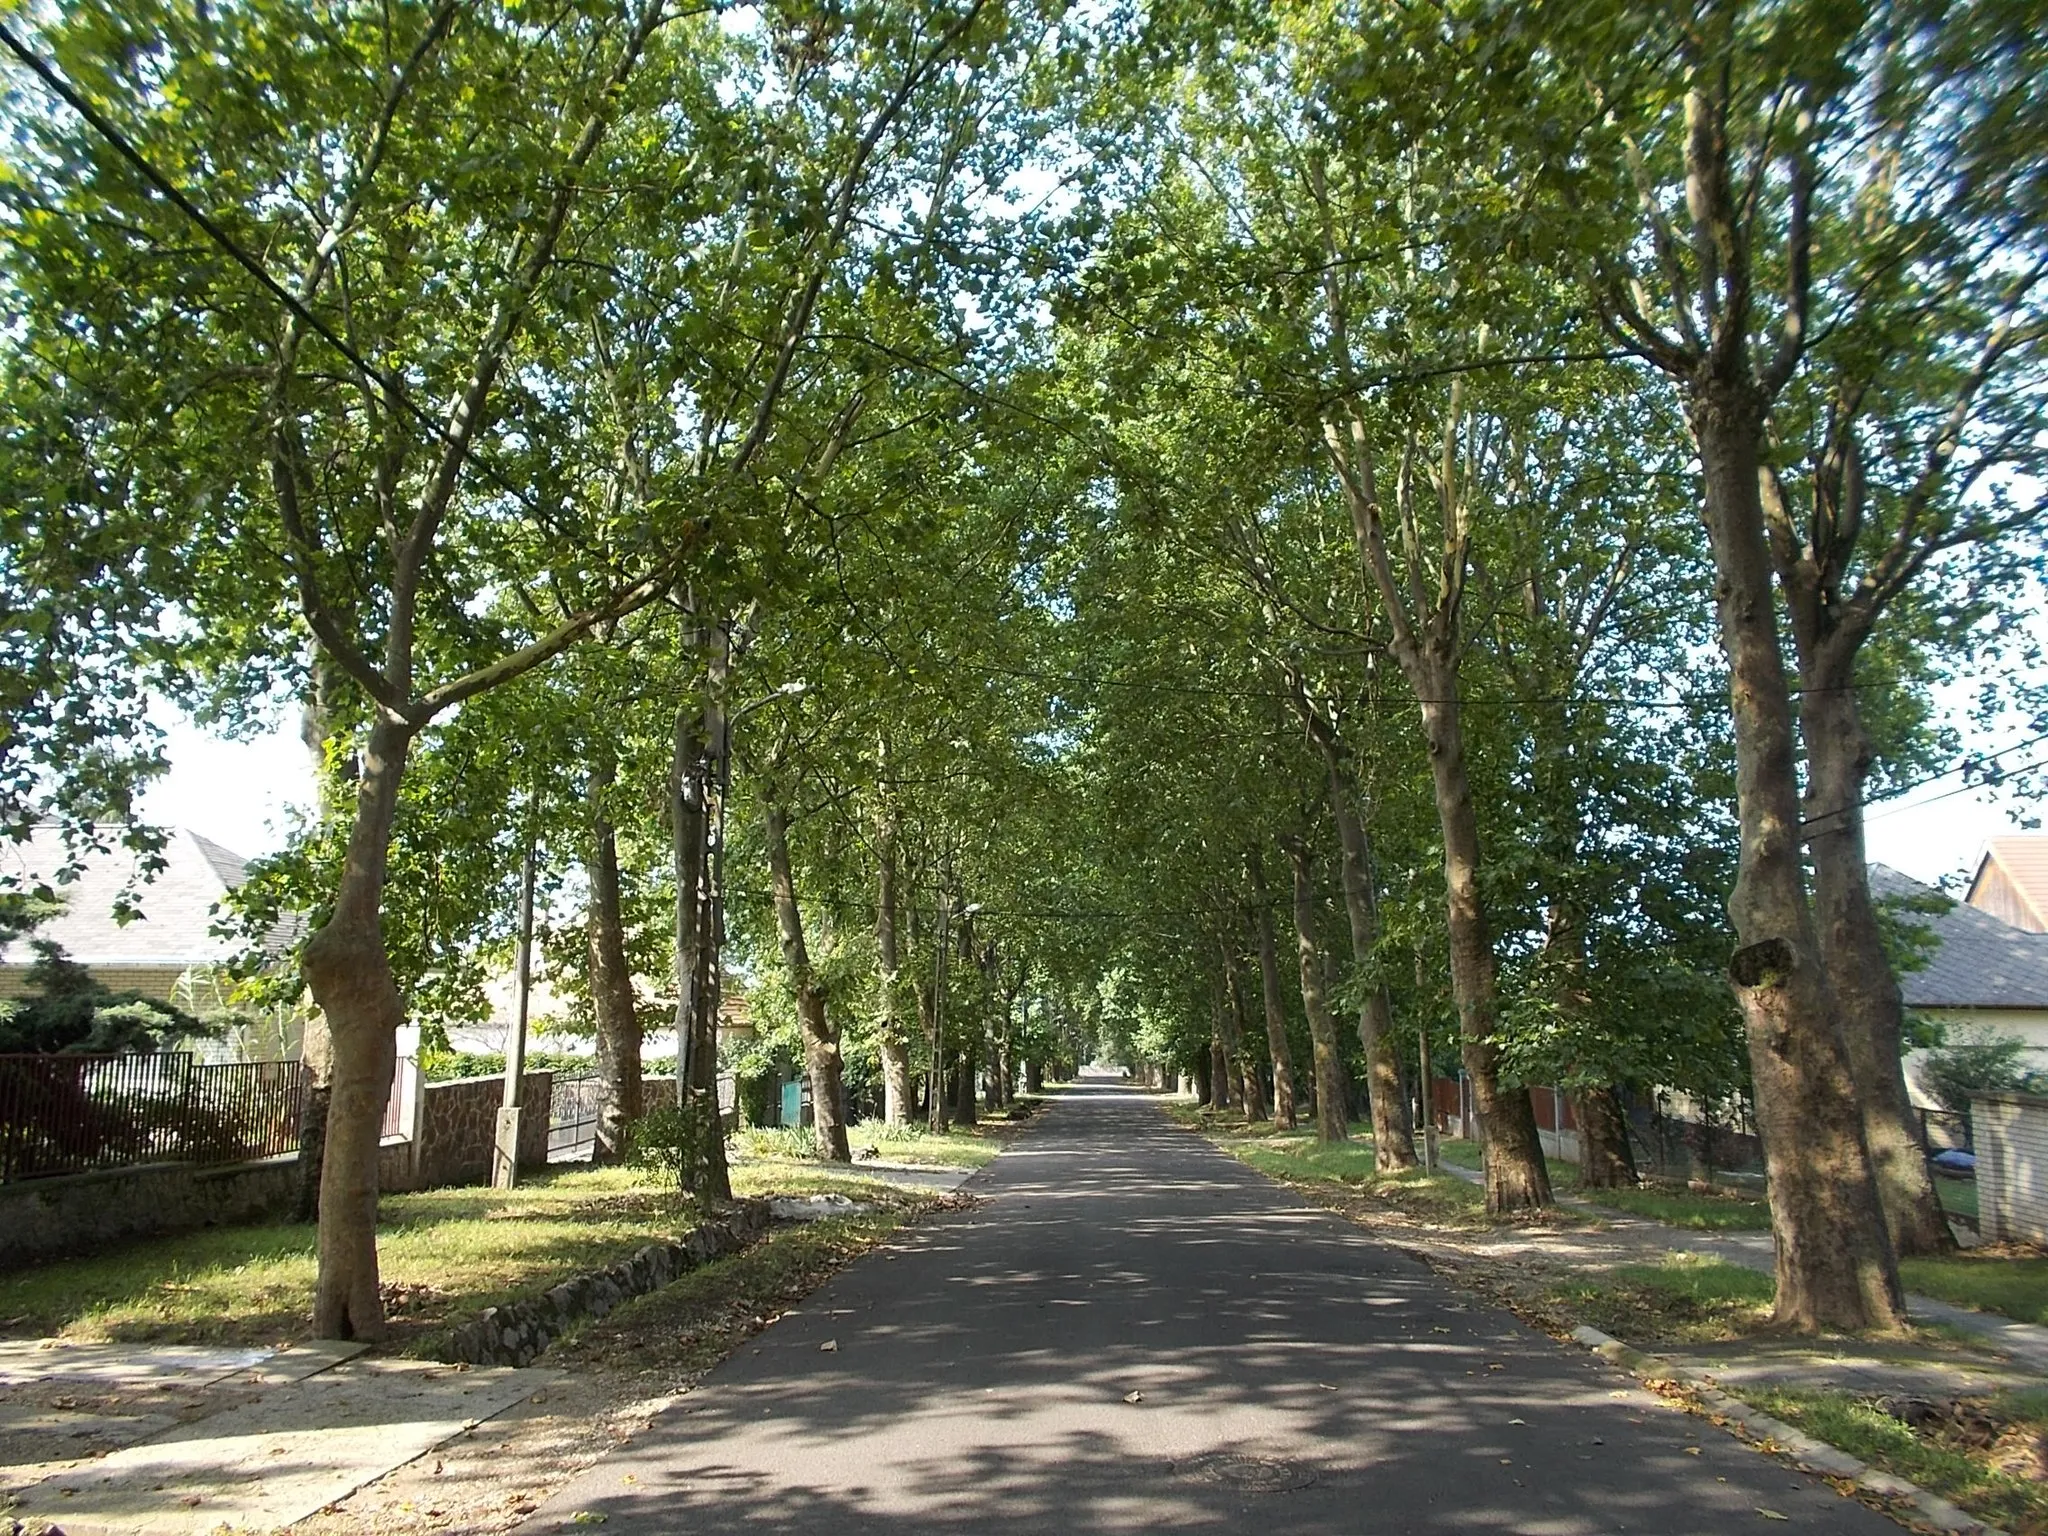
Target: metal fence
68 1114
71 1114
572 1119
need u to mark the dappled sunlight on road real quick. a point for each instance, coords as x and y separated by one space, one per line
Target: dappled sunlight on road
1132 1332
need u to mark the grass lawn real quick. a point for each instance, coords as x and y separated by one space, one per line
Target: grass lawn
443 1254
1683 1300
960 1146
1991 1280
1720 1210
2000 1482
1297 1158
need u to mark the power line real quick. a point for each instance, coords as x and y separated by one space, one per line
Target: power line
1900 791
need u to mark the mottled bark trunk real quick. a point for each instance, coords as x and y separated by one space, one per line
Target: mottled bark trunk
1516 1177
894 1049
1248 1090
316 1048
1393 1138
1835 1264
1034 1077
349 971
1605 1159
619 1098
821 1036
1866 990
1333 1092
963 1089
1269 992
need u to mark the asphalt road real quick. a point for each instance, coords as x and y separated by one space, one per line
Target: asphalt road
1290 1370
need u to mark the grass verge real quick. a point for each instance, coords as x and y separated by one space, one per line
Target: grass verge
2012 1282
443 1254
958 1146
1988 1461
1685 1299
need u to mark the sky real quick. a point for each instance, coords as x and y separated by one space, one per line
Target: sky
241 794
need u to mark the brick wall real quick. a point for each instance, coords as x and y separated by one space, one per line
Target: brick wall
2012 1166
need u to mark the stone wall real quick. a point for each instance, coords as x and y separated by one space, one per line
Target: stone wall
87 1213
516 1334
2011 1133
459 1128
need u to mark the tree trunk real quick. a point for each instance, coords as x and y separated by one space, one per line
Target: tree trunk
1866 991
1249 1091
619 1099
1516 1177
1393 1137
1034 1076
821 1037
1835 1264
963 1084
895 1050
349 971
1605 1161
1332 1090
1269 988
316 1049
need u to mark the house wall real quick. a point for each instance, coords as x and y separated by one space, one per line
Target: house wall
2012 1166
1993 891
152 981
2030 1024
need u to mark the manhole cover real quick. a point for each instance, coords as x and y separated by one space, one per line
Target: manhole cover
1253 1474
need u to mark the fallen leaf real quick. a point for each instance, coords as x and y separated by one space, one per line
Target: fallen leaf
1326 1386
1134 1397
1692 1450
1518 1421
829 1347
1771 1514
588 1517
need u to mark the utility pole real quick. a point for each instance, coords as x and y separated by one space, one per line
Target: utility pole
505 1148
936 1119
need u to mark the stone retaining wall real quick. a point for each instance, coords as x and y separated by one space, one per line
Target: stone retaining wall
87 1213
516 1334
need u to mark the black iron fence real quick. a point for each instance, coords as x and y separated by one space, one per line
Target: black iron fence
572 1119
71 1114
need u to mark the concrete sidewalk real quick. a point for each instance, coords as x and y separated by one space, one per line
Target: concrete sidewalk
135 1440
1132 1331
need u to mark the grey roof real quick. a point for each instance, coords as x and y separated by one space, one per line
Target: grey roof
177 906
1979 962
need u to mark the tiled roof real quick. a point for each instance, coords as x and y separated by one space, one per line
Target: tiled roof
2024 861
177 906
1979 962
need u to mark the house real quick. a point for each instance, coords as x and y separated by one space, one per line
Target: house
2011 882
1981 972
165 953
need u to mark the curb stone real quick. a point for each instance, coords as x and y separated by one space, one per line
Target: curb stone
516 1334
1805 1451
